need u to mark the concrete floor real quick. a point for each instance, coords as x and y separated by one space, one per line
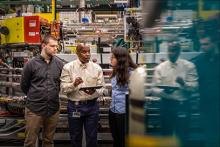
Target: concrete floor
60 144
19 143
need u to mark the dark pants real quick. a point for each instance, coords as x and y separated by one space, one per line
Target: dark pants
89 116
175 119
117 126
210 120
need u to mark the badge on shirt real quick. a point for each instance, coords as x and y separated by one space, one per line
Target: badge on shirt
76 114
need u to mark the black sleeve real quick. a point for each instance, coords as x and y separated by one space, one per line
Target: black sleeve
26 78
61 68
60 65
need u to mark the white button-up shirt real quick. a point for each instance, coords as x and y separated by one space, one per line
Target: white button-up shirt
91 74
166 74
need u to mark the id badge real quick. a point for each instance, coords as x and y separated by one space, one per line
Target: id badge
76 114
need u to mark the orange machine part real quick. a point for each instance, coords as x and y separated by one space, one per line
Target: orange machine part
55 29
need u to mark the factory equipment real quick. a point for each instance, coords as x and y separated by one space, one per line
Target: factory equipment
23 30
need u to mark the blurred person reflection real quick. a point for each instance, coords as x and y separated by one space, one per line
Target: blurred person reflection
175 102
207 64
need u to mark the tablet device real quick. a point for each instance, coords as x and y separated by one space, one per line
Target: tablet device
168 87
91 87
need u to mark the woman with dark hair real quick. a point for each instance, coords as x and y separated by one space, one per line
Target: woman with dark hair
122 65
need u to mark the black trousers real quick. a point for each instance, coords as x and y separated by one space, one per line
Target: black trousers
210 122
117 126
89 116
175 119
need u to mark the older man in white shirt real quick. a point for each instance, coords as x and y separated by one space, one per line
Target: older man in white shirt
83 109
177 79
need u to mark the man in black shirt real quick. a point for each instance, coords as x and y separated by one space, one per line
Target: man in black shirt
207 64
40 82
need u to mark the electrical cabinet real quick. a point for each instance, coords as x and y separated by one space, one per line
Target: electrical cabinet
27 29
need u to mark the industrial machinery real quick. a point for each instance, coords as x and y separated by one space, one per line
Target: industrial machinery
24 30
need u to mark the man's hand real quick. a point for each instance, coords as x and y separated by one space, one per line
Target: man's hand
89 91
180 81
78 81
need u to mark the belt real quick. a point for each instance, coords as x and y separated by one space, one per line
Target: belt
83 102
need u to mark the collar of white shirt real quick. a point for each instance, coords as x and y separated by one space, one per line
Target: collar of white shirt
174 65
81 65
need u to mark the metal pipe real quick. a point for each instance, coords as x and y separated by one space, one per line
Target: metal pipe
9 84
10 76
6 65
11 69
13 132
9 126
81 5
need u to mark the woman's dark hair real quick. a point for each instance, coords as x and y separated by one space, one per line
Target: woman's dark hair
124 62
131 62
